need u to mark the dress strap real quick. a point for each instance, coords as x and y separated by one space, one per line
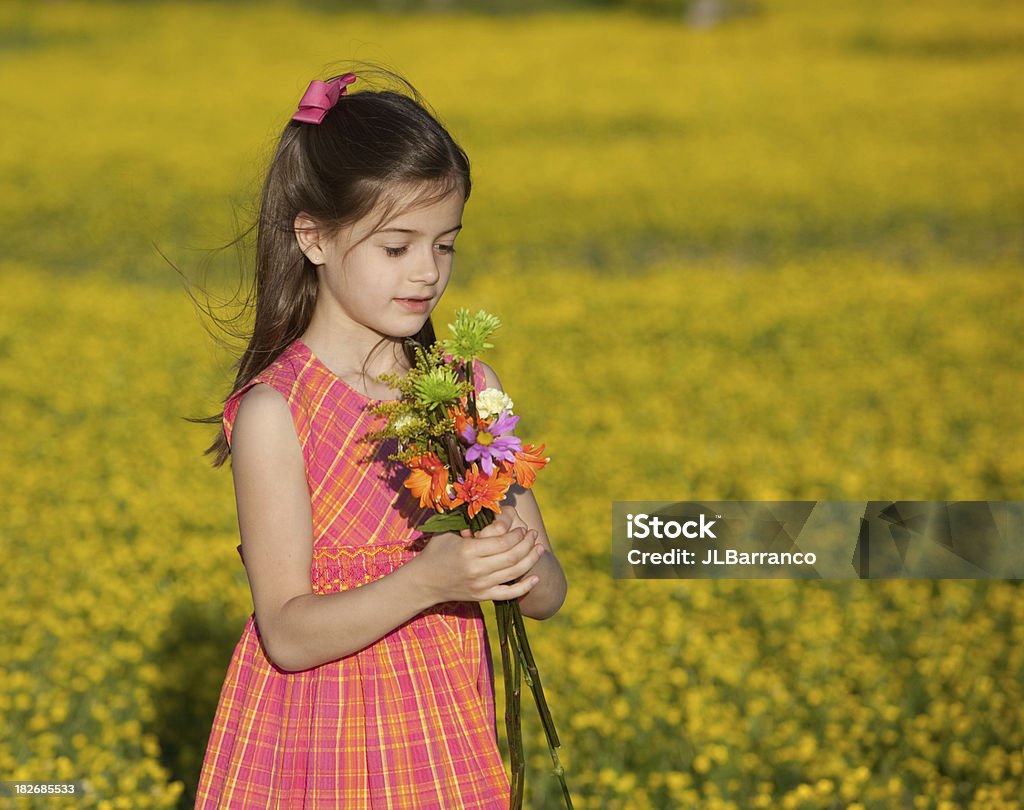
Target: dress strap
479 382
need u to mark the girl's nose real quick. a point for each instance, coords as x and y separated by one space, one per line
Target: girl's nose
426 269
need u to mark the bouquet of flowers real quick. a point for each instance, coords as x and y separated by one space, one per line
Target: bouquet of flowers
463 457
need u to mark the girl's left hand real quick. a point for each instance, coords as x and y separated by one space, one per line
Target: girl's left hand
507 520
546 598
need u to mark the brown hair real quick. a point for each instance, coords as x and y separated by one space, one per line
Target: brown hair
372 149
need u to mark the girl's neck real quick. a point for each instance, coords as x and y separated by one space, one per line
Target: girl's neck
356 357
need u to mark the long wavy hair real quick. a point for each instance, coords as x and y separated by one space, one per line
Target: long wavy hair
374 150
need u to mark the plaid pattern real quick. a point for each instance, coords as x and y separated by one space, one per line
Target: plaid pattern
407 722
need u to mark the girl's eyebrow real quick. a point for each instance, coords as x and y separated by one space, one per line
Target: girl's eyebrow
418 233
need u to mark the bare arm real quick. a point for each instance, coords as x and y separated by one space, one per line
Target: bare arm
301 629
524 512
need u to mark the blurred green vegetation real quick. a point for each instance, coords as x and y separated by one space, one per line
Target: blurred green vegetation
775 258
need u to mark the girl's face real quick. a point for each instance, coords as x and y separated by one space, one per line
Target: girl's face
387 282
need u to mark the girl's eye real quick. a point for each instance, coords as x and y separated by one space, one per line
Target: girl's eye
395 252
447 250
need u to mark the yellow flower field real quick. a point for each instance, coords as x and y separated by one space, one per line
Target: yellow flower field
778 259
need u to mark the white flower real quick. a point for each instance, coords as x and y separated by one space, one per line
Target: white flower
490 402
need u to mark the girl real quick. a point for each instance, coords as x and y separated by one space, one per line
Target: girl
363 677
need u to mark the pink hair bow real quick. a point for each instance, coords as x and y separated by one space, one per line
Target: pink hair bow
320 97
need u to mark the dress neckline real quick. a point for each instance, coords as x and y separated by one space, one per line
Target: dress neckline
323 366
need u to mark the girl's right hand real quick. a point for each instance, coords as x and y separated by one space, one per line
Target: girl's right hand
463 568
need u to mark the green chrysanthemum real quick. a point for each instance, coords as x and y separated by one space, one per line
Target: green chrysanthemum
439 387
470 334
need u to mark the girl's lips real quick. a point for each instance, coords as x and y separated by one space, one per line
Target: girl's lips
414 304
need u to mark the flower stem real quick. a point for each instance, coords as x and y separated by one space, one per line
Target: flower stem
513 724
532 675
471 396
519 779
518 662
533 678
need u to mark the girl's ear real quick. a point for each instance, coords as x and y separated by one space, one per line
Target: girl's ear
307 234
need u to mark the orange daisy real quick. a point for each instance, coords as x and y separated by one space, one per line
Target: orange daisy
428 481
480 491
462 419
528 461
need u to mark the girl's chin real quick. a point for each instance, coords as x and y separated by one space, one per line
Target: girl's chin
411 330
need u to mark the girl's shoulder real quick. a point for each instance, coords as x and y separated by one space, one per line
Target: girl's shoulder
282 375
484 376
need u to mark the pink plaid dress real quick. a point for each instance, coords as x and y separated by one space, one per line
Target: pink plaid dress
407 722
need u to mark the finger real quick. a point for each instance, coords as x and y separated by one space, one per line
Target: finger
491 546
527 549
506 566
509 518
517 568
513 590
500 525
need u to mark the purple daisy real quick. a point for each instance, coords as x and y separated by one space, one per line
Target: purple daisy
491 443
